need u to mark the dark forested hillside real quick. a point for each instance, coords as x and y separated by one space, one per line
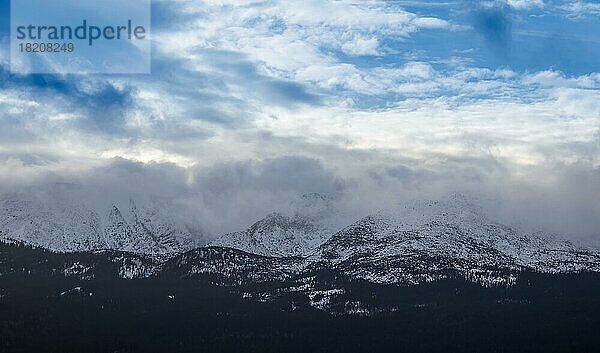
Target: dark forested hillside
45 309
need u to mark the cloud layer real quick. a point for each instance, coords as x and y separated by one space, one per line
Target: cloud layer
252 103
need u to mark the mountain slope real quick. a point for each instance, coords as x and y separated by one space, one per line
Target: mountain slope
231 266
65 221
277 235
79 302
419 242
423 239
299 231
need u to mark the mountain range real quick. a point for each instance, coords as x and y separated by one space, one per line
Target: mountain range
147 279
419 242
62 218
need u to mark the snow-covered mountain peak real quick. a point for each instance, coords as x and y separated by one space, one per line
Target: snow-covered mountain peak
277 235
64 218
422 236
456 233
296 231
278 222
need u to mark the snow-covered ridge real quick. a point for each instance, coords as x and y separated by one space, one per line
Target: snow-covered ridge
277 235
454 228
55 222
297 231
457 232
417 242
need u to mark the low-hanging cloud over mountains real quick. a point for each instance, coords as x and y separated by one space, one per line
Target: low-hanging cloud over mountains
253 103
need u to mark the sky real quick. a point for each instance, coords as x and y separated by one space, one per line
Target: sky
251 103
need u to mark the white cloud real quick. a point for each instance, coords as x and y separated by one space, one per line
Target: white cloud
361 46
515 4
289 36
580 10
239 83
525 4
557 79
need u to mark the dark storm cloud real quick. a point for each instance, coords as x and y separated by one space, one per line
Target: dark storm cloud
244 192
60 129
231 196
282 174
224 197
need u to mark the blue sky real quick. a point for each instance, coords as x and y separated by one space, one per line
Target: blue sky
482 96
